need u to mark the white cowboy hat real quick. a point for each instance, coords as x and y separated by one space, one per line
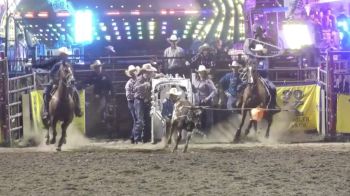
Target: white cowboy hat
131 69
173 38
174 91
64 50
148 68
234 64
204 47
110 48
202 68
96 64
258 48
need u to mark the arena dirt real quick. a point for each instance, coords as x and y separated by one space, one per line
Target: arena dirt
116 168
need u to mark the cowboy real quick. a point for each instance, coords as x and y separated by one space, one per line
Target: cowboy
205 92
54 65
142 102
132 73
102 85
231 84
168 107
204 57
175 57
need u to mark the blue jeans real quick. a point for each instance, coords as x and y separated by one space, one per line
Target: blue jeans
133 115
139 105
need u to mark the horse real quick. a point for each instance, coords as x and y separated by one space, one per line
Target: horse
256 94
61 105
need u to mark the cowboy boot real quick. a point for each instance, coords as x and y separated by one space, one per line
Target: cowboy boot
77 109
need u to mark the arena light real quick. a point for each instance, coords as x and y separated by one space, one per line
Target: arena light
83 26
296 35
29 15
63 14
43 14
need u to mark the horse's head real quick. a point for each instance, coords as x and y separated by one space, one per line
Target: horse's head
66 74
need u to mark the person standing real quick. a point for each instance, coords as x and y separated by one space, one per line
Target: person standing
175 57
142 100
231 84
131 72
205 91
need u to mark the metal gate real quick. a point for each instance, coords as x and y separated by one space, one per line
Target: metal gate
11 92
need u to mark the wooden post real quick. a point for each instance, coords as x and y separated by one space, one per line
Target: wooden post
331 97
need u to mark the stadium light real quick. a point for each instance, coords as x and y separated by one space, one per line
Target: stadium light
296 35
83 26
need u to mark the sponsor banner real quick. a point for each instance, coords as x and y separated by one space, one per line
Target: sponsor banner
343 108
305 101
36 98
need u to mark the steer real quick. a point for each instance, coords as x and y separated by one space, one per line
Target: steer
185 117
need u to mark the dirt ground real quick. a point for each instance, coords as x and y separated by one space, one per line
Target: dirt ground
211 169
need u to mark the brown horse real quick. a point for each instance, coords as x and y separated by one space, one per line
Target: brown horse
61 106
256 94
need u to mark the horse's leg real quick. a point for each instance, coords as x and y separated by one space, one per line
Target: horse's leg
64 127
54 132
178 139
269 118
238 132
251 122
255 124
172 127
188 138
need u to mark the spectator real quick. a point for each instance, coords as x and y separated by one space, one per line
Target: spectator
131 72
221 55
142 99
205 91
231 84
204 57
175 57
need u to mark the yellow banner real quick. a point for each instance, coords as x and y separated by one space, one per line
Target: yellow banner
36 98
343 108
305 100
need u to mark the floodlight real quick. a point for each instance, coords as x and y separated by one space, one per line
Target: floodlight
83 26
297 35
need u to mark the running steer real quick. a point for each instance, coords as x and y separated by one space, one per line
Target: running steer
185 117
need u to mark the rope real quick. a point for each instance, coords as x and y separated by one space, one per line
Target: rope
237 109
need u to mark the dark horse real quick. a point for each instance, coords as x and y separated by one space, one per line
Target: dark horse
256 94
61 105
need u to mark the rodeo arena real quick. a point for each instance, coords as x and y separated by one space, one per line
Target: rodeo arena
181 97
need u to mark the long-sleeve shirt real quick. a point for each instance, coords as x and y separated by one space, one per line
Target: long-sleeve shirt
102 85
142 88
205 89
167 108
129 89
175 57
231 83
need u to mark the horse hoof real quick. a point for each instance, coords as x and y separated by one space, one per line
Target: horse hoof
47 142
64 141
53 141
59 149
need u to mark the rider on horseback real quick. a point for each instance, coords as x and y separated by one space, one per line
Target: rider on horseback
54 66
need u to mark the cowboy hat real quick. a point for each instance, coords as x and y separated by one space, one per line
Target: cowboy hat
204 47
174 91
234 64
110 48
132 69
96 64
173 38
202 68
148 68
64 50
